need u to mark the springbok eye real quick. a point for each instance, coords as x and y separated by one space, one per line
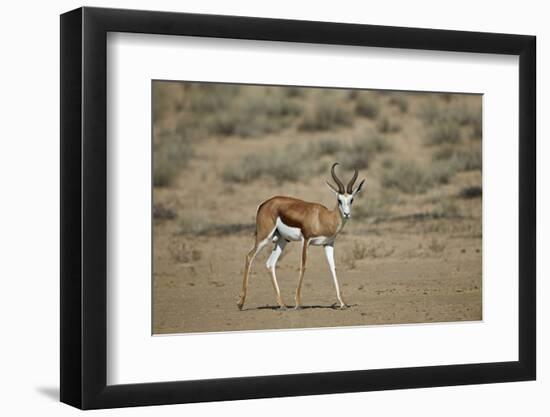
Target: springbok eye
351 201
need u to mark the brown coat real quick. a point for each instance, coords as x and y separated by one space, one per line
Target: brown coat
313 219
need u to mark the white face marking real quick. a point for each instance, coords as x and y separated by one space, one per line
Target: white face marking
344 204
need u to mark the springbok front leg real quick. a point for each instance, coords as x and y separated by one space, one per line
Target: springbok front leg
271 264
305 244
329 253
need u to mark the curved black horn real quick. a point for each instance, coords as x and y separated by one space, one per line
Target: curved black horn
336 180
351 182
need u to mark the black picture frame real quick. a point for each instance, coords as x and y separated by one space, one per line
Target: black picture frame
84 207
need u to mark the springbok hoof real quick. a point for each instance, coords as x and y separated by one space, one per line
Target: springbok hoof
344 306
240 305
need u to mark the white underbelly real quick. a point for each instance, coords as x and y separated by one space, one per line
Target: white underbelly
319 241
294 234
287 232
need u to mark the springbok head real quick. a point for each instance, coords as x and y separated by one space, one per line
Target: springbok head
344 195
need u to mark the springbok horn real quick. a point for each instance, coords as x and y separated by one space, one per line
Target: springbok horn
351 182
336 180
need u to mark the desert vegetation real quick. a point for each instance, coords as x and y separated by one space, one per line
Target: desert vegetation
219 150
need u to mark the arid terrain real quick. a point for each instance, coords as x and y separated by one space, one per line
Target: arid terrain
411 252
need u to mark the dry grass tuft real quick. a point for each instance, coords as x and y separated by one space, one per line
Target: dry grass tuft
287 165
367 106
443 132
326 115
182 252
470 192
294 163
359 250
171 153
326 146
375 206
364 149
254 116
436 246
385 125
161 212
411 178
400 101
446 209
459 160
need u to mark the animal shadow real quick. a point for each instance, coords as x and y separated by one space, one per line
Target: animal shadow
334 306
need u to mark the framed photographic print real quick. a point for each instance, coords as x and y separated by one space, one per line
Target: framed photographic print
257 207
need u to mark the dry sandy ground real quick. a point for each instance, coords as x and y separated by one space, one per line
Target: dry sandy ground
412 277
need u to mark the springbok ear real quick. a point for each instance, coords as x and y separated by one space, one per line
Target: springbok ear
359 187
331 187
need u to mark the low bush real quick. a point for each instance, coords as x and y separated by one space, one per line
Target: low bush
326 115
287 165
326 146
171 153
409 177
446 209
384 125
364 149
459 159
374 206
367 106
443 132
470 192
400 101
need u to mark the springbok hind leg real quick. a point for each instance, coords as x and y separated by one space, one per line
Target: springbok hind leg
271 265
258 246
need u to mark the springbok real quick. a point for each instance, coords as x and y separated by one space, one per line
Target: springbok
284 219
